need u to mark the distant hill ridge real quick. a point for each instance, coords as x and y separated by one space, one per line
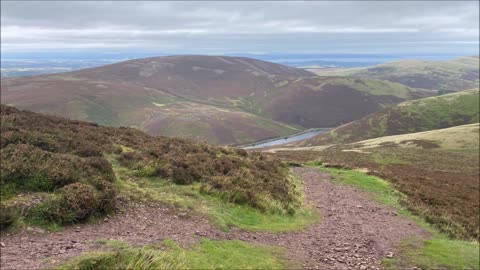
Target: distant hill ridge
441 75
219 99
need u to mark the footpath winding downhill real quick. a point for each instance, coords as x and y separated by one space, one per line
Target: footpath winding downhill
354 233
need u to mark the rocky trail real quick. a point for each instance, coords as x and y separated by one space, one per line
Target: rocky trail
354 233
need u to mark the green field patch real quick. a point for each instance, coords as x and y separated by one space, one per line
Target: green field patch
207 254
437 253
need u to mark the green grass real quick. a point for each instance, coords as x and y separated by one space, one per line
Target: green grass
133 185
207 254
225 215
446 109
378 189
233 255
437 252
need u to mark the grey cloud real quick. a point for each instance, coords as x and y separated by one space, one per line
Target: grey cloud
233 25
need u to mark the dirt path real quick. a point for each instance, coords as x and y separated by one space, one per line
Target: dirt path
355 232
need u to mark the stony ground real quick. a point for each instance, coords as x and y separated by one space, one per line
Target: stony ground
355 232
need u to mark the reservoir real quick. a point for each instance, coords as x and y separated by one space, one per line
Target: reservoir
288 139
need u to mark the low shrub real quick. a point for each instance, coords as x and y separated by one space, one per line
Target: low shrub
63 157
81 199
72 203
8 216
252 179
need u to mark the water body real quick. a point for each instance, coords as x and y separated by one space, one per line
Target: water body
289 139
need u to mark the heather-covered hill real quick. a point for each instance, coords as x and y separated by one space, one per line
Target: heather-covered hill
330 101
196 76
132 105
59 171
407 117
444 76
225 100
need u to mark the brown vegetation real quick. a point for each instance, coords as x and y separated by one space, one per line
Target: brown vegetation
65 159
441 186
218 99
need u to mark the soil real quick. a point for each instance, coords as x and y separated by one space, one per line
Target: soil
354 233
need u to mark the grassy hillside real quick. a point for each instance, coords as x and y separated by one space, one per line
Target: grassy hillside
458 137
226 100
451 75
59 171
410 116
438 170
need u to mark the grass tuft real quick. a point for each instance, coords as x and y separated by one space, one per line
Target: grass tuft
207 254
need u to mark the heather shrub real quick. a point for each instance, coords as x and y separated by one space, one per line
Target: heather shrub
72 203
81 199
48 153
106 196
8 216
88 150
31 168
234 175
100 167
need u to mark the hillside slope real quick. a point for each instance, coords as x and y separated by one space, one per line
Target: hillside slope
65 169
450 75
407 117
327 102
133 105
224 100
437 170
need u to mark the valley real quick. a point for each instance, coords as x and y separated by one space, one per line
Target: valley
221 100
172 135
335 172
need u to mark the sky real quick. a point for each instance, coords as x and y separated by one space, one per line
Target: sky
223 27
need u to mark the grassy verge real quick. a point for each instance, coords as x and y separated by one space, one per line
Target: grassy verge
207 254
189 199
437 252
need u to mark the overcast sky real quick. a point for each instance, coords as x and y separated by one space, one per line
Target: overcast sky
248 27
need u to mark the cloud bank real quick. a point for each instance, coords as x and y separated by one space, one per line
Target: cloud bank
253 27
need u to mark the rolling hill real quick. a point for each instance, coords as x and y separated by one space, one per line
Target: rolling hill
411 116
444 76
219 99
